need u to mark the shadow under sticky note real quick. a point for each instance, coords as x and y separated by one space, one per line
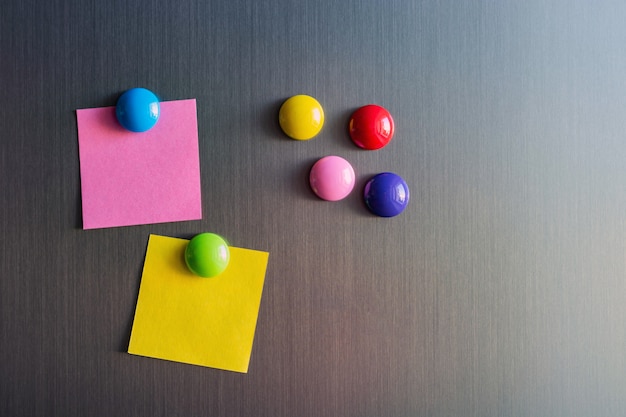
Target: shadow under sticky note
130 178
201 321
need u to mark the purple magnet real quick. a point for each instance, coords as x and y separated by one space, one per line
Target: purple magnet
386 194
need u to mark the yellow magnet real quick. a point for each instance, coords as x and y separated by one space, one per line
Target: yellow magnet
301 117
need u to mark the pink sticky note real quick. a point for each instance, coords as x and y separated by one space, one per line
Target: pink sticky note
130 178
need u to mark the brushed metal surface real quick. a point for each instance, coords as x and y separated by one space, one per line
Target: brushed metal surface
498 292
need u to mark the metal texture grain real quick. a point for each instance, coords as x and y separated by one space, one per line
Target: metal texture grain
498 292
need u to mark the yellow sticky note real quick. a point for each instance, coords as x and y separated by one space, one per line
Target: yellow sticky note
201 321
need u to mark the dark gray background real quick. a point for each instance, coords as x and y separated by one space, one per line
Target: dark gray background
498 292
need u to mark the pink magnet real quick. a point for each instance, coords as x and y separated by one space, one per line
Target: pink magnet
332 178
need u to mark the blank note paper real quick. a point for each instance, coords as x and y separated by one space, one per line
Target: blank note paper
130 178
201 321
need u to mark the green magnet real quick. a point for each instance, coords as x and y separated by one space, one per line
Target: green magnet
207 255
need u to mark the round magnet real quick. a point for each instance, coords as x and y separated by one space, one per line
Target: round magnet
386 194
332 178
371 127
138 109
301 117
207 255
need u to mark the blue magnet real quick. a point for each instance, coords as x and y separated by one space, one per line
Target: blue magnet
386 194
138 109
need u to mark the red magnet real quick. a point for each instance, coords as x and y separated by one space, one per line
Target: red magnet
371 127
